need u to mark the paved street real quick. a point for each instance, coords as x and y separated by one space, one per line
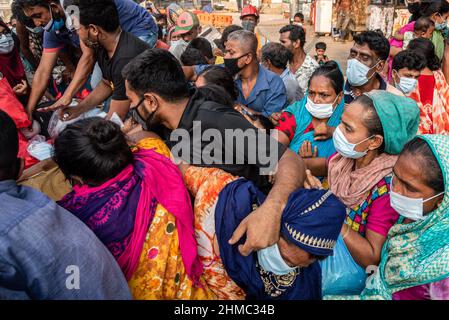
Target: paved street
270 24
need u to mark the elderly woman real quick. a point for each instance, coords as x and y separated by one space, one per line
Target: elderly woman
137 205
306 125
432 91
415 257
373 131
311 223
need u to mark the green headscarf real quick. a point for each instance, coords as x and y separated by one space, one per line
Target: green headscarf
399 116
438 42
416 253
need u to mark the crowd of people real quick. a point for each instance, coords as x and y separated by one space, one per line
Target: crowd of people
116 162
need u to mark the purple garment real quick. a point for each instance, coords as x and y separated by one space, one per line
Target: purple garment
432 291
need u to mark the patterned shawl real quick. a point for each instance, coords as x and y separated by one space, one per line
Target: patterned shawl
417 253
434 117
121 210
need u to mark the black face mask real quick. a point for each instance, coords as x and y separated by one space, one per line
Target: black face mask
232 65
413 8
135 114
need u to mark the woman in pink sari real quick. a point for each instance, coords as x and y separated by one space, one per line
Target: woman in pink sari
137 205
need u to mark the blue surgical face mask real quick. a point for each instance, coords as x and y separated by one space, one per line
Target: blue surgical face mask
442 25
345 148
411 208
36 30
406 85
6 43
357 72
270 260
54 24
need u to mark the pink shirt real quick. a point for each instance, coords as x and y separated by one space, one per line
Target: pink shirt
433 291
410 27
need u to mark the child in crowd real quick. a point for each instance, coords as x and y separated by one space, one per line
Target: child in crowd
423 28
321 56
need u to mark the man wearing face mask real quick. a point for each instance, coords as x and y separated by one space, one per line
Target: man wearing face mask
99 29
365 63
59 33
407 67
259 89
160 95
188 28
250 19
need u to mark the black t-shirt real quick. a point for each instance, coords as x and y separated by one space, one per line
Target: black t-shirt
127 49
214 142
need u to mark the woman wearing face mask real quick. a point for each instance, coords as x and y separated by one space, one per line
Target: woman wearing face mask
438 12
432 91
137 205
11 65
414 263
373 131
306 125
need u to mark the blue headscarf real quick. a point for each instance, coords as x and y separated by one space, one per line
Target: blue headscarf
303 119
316 214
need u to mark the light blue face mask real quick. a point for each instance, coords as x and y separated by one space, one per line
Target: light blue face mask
440 26
54 25
357 72
270 260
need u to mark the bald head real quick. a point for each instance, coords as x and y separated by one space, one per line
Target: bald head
246 40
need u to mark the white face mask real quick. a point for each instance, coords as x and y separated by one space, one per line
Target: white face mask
406 85
270 260
357 72
345 148
320 110
411 208
6 43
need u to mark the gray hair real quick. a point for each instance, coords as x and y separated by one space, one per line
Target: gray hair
246 39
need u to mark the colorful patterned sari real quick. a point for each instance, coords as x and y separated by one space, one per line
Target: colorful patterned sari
205 185
416 253
434 117
144 217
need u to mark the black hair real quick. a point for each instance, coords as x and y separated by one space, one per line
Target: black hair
156 70
428 8
9 146
299 15
321 45
160 16
33 3
21 17
226 32
203 45
277 54
215 75
216 93
371 119
376 41
421 151
423 24
330 70
296 33
408 59
93 149
426 49
101 13
192 57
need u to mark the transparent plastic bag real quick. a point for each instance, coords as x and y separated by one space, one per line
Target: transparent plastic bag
56 125
39 148
341 275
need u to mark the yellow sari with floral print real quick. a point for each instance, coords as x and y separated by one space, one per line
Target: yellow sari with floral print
160 274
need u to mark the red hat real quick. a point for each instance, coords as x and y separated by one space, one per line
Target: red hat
249 10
